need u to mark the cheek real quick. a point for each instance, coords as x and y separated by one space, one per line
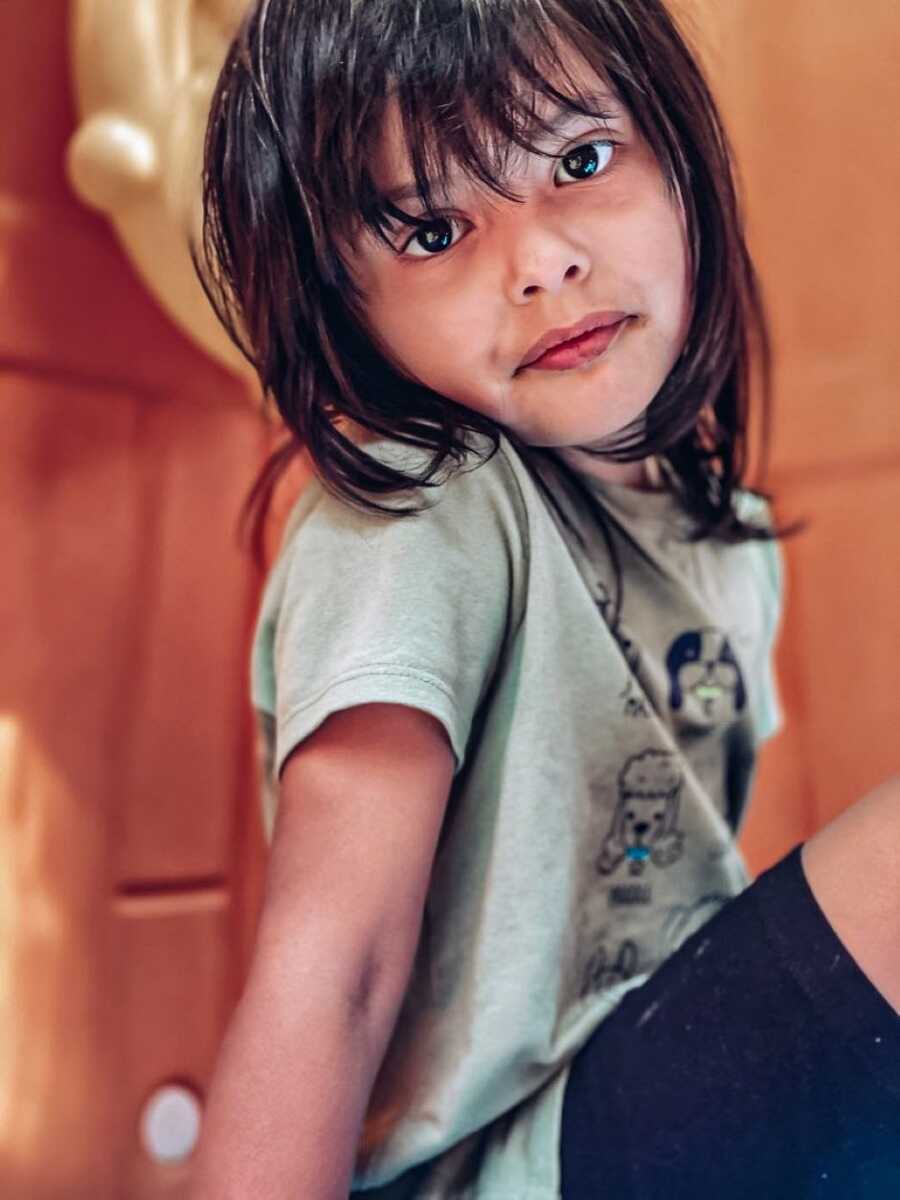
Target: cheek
396 324
384 306
421 335
678 271
438 326
667 257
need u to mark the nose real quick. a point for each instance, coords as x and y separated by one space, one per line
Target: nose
641 827
542 258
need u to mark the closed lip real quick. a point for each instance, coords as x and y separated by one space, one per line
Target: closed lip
556 337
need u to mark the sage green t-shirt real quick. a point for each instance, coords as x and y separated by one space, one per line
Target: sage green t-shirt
600 777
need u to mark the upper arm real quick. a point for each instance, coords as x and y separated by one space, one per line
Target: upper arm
412 612
361 804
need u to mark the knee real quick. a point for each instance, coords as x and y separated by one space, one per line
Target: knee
885 795
853 863
867 831
853 868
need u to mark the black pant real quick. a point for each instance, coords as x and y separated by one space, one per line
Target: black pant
757 1062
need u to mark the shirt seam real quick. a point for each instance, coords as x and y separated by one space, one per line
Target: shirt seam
372 670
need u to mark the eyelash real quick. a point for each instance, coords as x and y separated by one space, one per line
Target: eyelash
401 250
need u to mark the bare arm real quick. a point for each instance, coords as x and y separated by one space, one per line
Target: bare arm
362 802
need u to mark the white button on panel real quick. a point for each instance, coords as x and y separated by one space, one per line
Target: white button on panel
170 1123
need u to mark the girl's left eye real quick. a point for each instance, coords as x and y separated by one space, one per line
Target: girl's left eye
432 238
590 158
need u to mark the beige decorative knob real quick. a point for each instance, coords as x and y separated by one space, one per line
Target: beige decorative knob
143 73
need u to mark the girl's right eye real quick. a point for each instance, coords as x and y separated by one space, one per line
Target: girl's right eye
432 239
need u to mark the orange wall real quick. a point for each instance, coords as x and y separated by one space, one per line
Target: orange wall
129 838
811 92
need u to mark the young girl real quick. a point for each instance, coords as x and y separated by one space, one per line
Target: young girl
513 660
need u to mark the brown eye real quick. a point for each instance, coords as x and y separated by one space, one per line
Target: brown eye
431 239
591 158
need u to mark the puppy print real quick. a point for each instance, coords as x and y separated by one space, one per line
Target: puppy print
644 827
704 675
601 971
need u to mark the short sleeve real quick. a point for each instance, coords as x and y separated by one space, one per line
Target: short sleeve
768 567
769 716
411 610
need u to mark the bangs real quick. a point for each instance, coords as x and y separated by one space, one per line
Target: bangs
485 108
468 85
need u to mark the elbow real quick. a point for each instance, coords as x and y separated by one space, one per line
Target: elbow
324 975
376 991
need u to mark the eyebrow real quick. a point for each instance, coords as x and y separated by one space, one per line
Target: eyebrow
562 116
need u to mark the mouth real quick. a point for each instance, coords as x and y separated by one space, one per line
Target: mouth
563 349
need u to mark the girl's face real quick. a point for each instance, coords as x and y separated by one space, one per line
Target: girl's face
459 303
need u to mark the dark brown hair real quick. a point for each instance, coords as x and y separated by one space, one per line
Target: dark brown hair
295 119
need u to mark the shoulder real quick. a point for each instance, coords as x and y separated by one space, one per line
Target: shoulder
467 546
361 607
753 508
478 503
765 553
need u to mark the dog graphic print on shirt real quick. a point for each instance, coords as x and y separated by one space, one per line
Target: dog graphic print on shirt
645 822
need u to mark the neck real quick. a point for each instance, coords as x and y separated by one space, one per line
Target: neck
643 475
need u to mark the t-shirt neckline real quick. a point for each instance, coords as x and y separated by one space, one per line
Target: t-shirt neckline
638 503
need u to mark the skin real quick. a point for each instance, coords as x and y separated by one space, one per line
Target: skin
461 320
